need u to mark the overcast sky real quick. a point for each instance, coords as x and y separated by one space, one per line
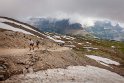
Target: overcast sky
110 9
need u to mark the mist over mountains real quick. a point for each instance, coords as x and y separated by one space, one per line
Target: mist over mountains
53 25
106 30
102 29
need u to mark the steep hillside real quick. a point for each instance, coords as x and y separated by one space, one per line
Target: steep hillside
20 25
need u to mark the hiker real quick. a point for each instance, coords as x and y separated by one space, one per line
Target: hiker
37 43
31 44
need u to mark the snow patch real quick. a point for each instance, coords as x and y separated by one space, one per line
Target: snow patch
8 27
58 41
91 48
55 36
6 20
80 43
73 74
68 37
88 43
103 60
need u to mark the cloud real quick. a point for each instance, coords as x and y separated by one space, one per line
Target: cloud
75 17
110 9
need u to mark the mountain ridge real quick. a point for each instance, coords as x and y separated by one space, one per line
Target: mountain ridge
63 26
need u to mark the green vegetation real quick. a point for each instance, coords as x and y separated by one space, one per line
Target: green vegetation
104 48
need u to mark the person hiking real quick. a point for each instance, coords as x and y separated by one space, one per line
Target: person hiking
31 44
37 43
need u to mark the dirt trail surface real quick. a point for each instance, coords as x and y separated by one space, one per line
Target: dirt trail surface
73 74
4 51
18 52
